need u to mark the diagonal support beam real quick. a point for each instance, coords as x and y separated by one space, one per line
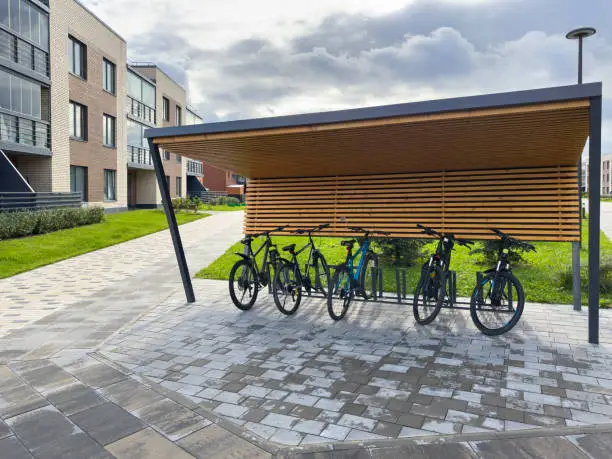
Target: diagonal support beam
172 225
594 217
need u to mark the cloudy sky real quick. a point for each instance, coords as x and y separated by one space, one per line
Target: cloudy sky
245 58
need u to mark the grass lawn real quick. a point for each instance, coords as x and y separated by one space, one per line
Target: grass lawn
24 254
541 276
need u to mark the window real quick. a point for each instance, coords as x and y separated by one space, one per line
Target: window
108 76
166 155
166 108
78 181
178 115
179 159
168 182
78 121
110 183
109 130
77 54
178 186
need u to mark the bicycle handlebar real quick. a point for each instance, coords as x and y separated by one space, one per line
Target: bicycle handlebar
367 231
312 230
427 230
513 242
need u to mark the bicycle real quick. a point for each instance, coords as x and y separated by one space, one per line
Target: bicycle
348 281
493 297
435 283
246 277
288 279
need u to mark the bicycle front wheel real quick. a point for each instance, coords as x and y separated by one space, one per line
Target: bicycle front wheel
286 290
497 303
429 296
321 275
340 294
243 286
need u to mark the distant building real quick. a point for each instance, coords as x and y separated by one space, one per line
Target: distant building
606 174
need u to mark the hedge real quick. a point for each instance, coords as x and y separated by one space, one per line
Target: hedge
28 223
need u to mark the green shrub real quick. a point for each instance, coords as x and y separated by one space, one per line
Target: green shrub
490 252
224 201
184 204
31 222
392 250
566 278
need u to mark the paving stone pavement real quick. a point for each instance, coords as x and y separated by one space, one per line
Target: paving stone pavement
132 371
32 295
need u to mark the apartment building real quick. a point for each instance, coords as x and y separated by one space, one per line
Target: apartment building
606 174
73 112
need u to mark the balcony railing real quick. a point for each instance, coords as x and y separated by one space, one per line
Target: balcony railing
23 53
24 131
195 167
140 110
139 155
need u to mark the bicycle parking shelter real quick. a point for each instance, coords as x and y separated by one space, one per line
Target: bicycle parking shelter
461 165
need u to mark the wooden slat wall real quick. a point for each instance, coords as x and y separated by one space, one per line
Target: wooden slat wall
531 204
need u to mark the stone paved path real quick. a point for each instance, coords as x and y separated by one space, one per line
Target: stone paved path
128 370
33 295
304 379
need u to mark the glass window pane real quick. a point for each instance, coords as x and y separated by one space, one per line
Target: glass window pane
40 61
77 59
36 100
15 94
5 90
25 19
24 54
78 121
34 25
6 43
4 12
71 120
70 55
26 131
42 134
134 86
14 12
44 31
148 94
26 97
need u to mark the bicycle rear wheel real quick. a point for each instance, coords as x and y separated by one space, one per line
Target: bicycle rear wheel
341 294
286 290
429 296
370 268
243 286
497 303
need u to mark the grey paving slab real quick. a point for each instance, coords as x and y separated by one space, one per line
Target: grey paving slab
4 430
75 446
107 423
414 451
596 445
130 394
146 444
39 427
556 447
74 398
11 448
215 442
171 419
19 399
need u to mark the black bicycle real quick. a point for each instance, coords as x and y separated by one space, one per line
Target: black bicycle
246 277
435 285
498 299
289 280
348 280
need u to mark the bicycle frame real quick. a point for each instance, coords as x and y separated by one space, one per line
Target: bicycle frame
350 259
251 255
297 269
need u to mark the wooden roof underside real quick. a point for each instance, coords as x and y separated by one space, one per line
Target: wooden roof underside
534 135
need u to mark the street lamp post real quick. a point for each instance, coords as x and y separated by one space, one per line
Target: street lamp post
578 34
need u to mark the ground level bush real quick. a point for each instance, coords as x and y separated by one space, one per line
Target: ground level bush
16 224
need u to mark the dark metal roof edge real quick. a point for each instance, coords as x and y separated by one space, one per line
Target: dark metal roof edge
505 99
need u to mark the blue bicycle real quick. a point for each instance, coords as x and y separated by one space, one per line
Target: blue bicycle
348 280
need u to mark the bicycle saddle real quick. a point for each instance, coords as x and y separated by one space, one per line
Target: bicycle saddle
348 243
289 248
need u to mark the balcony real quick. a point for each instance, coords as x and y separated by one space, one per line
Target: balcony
139 158
140 111
18 130
23 53
194 168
